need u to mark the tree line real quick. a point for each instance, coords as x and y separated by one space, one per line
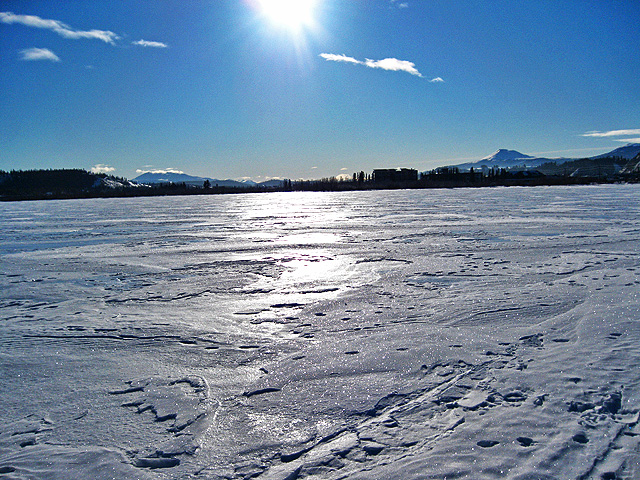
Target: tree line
78 183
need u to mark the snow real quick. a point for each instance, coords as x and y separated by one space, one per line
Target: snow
502 154
476 333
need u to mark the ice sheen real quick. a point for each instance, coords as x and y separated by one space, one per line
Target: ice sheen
476 333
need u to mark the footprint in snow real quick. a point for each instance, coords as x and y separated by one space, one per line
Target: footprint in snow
525 441
487 443
580 438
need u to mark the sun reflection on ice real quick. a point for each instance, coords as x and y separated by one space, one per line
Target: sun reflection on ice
317 271
311 238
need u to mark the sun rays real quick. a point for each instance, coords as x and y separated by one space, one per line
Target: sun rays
292 15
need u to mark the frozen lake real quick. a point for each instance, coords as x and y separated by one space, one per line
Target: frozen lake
471 333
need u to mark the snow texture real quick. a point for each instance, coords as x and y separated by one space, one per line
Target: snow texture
431 334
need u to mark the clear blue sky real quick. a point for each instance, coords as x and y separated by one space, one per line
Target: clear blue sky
238 88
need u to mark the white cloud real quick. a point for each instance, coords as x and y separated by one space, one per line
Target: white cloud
628 140
613 133
437 80
101 168
397 4
392 64
58 27
147 43
332 57
39 54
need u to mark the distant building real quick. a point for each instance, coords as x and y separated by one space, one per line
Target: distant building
395 175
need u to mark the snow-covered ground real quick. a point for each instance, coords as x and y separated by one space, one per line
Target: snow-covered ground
480 334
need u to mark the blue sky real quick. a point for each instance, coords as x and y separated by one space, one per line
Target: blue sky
236 88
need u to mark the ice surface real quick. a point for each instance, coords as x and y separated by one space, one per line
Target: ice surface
477 333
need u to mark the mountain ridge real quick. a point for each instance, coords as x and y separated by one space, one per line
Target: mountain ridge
504 158
154 178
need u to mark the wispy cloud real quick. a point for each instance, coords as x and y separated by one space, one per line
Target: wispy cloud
101 168
628 140
437 80
392 64
332 57
147 43
399 4
613 133
39 54
58 27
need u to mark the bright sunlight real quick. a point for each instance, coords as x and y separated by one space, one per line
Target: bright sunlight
291 14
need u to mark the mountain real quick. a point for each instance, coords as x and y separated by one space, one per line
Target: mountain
633 165
153 178
230 183
271 183
628 152
150 178
504 158
504 155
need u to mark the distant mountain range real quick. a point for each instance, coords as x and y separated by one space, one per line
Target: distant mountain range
154 178
504 158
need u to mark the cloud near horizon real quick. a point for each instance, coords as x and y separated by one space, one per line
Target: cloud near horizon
392 64
613 133
30 54
101 168
58 27
148 43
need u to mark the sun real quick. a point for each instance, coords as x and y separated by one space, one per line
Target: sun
290 14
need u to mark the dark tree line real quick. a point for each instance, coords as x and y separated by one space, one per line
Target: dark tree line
77 183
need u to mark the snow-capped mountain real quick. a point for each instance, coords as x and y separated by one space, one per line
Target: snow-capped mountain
504 158
504 155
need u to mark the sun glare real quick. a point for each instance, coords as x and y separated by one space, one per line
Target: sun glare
291 14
